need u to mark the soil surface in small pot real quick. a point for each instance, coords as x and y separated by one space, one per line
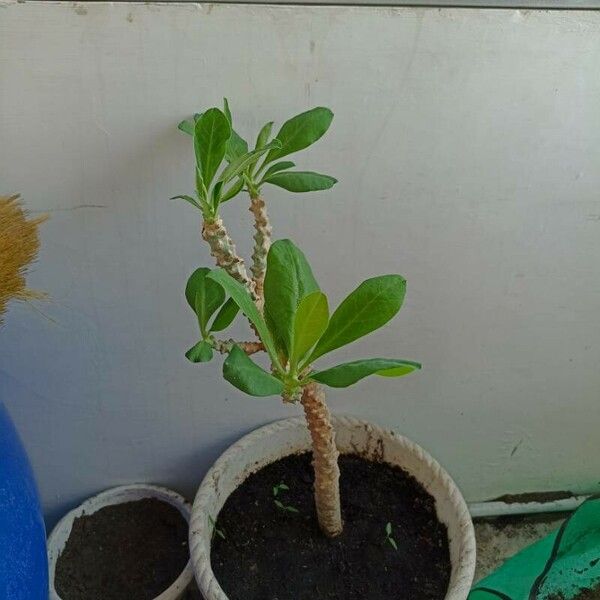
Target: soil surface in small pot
129 551
262 551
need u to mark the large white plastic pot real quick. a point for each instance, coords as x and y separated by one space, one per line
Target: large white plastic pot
290 436
126 493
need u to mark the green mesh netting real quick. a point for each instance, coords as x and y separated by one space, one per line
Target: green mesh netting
559 567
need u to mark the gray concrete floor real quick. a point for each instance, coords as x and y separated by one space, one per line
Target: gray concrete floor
500 538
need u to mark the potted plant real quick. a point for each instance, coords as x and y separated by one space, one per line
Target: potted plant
253 530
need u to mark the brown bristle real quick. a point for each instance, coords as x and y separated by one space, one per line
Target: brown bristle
19 245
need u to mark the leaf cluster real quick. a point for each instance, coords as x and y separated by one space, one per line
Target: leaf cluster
225 166
296 327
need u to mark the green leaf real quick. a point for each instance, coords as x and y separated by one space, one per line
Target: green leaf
400 370
189 199
288 280
370 306
388 528
233 191
236 145
301 131
187 126
242 298
200 187
238 165
301 181
226 111
264 135
280 166
201 352
211 136
248 377
310 322
203 295
392 542
348 373
216 194
279 504
225 316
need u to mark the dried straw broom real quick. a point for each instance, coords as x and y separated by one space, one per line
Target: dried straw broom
19 245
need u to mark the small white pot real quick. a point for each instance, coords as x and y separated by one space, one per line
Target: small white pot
126 493
290 436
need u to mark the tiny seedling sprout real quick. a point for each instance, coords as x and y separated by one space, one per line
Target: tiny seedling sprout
215 529
278 503
388 536
277 488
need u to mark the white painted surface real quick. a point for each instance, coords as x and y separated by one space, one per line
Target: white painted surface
467 145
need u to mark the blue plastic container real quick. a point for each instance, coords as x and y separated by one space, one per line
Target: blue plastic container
23 559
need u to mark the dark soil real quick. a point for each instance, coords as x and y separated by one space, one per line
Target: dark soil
192 594
524 521
528 497
269 553
129 551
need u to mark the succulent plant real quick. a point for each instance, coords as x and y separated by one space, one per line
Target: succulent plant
282 299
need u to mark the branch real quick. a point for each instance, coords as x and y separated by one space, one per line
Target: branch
224 346
262 243
223 249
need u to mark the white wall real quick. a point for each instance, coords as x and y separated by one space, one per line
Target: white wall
467 145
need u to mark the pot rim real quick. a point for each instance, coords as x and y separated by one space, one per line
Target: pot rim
110 497
207 582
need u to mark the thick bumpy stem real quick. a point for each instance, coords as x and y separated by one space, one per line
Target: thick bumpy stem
223 249
262 243
225 346
325 460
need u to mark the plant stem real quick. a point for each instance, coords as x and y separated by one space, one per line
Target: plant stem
223 249
224 346
325 460
262 243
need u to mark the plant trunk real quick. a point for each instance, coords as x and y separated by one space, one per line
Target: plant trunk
325 460
223 249
262 243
